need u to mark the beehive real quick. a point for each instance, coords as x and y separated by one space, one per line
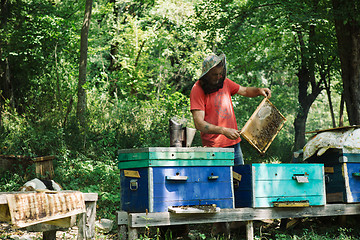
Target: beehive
342 175
269 185
154 179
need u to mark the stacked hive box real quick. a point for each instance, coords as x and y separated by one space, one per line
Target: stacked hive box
283 185
342 175
154 179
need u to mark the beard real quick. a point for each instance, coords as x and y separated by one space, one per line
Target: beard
210 88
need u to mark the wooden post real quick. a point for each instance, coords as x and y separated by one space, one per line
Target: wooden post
249 230
86 221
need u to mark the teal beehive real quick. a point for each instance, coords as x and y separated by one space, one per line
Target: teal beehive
279 185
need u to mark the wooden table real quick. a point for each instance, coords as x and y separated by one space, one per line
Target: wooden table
133 221
85 221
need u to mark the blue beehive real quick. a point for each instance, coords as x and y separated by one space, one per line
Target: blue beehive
172 177
269 185
342 175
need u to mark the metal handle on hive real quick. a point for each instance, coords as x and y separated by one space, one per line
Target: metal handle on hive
301 178
176 178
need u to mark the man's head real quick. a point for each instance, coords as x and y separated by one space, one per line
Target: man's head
213 73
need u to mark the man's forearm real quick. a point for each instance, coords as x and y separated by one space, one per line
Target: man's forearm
206 127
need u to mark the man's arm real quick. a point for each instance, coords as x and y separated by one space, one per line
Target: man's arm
205 127
254 92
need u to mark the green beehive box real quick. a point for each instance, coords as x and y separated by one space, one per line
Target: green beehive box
175 156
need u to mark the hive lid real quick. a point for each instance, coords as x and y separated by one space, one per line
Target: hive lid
175 156
263 126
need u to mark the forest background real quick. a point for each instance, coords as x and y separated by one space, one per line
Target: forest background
81 80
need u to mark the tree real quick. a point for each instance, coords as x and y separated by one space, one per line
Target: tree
153 48
267 37
81 105
347 22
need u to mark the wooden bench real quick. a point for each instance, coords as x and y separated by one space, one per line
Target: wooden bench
84 220
129 223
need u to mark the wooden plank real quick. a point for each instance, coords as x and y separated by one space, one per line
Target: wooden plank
44 158
31 208
63 222
90 197
240 214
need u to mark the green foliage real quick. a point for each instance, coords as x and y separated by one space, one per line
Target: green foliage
78 172
339 234
92 167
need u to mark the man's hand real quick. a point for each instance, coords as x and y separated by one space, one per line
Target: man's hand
231 133
265 92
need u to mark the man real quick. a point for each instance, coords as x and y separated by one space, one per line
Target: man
212 108
213 113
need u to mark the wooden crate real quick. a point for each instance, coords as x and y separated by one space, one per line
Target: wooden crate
10 162
283 185
44 167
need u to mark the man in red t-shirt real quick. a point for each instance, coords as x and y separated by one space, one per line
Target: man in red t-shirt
212 108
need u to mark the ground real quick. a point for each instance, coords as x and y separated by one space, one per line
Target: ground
324 228
6 232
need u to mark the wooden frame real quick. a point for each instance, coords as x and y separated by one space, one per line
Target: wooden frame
263 126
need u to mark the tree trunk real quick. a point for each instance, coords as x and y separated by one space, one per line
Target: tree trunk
81 105
328 93
306 76
341 114
305 101
347 27
6 90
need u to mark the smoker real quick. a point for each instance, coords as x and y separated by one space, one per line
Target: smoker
180 136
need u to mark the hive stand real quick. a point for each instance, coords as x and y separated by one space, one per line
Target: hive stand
129 223
85 221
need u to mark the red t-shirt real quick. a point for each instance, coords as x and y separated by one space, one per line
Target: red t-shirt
218 109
